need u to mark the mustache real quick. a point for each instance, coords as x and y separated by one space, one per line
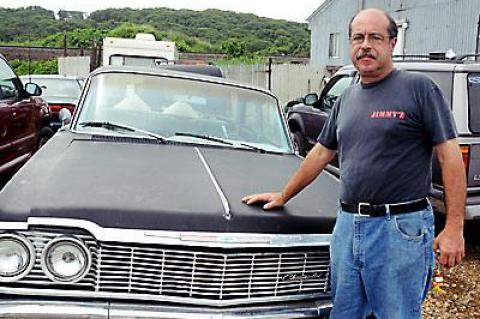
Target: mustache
365 54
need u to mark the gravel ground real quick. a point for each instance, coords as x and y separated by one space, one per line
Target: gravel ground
458 296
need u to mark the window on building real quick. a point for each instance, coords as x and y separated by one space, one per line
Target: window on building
334 45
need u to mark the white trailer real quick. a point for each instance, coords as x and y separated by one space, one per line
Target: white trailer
144 50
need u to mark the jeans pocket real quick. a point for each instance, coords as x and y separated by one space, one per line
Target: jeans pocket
410 227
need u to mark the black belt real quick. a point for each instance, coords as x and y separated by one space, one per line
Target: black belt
373 210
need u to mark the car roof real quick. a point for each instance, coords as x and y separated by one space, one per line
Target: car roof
211 70
165 72
50 76
428 65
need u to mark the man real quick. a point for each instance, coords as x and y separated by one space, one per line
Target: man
384 130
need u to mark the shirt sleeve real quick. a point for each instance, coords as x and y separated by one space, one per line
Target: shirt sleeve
438 122
328 135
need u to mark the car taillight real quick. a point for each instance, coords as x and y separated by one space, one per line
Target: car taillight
465 149
55 108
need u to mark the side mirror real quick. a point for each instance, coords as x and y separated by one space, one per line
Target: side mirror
64 116
311 98
33 89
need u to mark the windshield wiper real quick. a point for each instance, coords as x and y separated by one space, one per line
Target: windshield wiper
114 126
255 148
204 137
220 140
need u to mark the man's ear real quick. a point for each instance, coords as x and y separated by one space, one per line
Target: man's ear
393 42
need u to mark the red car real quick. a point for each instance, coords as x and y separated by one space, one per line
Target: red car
24 120
59 91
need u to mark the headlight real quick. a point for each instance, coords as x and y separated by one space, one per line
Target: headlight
17 256
65 260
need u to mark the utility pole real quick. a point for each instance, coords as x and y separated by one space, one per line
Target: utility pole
361 5
269 74
477 49
64 44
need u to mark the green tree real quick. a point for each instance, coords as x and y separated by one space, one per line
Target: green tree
236 34
35 67
234 48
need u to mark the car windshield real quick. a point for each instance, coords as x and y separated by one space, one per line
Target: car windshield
60 87
185 110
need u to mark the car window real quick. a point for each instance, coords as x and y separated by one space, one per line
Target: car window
165 106
444 80
335 91
8 88
474 101
137 60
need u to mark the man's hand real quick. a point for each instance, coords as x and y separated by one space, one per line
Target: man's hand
318 157
272 200
452 246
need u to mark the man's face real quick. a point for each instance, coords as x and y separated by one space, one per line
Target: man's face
370 45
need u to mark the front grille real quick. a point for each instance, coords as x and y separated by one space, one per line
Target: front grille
196 275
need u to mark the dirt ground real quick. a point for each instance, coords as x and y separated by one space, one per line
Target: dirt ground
458 296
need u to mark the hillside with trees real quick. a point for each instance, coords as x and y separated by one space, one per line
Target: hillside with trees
237 34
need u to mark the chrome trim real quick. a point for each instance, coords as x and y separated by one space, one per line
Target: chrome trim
31 257
15 162
52 309
179 75
49 273
45 309
13 226
202 239
226 206
148 297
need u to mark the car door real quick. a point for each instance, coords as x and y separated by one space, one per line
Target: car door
323 107
5 135
21 127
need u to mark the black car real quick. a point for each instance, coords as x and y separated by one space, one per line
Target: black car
147 216
307 115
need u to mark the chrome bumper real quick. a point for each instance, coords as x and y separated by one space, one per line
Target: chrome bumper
46 309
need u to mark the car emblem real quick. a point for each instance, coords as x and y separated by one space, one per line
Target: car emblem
304 277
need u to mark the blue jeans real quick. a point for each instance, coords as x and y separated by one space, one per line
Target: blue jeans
382 265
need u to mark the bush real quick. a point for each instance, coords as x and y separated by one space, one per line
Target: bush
21 67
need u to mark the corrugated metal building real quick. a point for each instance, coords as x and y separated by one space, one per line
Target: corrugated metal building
424 26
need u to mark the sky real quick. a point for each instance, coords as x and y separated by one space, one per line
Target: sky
298 10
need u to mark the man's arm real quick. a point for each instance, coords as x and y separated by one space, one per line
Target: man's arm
450 240
311 167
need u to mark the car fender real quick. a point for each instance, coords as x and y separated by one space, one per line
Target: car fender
295 122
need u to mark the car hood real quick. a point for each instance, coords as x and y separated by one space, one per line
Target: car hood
130 183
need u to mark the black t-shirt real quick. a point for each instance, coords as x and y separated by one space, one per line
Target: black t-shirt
384 133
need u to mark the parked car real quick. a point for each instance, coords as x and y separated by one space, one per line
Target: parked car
459 80
146 219
59 91
24 120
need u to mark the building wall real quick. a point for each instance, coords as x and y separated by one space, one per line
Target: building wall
433 25
288 81
333 19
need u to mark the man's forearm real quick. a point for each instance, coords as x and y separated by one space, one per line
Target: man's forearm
454 182
311 167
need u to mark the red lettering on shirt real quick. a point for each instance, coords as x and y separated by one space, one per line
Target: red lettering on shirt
388 115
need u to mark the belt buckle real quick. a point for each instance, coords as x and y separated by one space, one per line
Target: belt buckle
360 205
